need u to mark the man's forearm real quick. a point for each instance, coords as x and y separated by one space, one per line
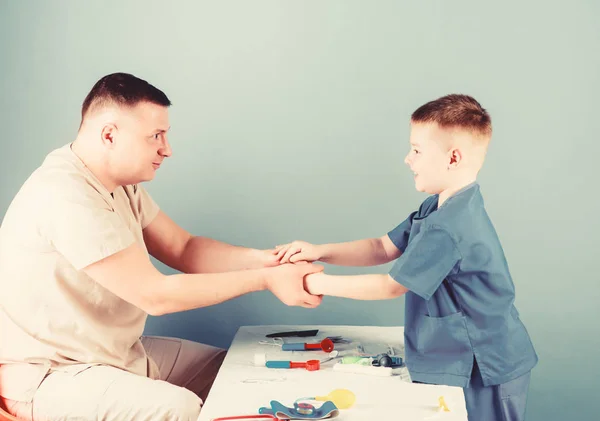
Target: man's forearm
205 255
183 292
358 287
368 252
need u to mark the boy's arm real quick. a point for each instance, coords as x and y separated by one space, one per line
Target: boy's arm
425 263
358 287
367 252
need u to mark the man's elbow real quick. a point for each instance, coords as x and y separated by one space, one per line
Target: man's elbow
154 299
156 309
153 306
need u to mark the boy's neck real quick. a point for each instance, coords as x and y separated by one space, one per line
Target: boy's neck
448 192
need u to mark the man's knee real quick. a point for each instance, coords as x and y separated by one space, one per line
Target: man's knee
142 398
180 405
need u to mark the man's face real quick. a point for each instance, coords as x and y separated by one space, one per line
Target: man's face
142 143
429 157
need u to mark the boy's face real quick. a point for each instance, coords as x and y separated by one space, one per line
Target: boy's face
429 157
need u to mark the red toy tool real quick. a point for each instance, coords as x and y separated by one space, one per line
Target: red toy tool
310 365
325 345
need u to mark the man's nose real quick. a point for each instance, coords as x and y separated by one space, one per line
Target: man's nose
166 150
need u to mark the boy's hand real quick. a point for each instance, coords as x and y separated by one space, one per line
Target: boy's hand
286 282
298 251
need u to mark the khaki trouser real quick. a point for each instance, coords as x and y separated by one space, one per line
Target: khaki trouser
104 393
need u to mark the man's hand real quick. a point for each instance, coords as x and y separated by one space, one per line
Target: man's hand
262 258
286 282
298 251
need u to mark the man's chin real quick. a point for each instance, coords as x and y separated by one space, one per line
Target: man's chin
147 177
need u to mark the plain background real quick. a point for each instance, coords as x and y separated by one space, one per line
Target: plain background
290 121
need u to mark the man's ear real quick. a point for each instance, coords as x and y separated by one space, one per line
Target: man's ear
108 135
455 157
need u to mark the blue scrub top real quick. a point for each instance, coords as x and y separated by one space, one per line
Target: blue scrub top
461 294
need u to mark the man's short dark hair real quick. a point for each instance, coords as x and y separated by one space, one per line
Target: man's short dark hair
122 89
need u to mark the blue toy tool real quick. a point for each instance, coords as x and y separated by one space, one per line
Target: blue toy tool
301 411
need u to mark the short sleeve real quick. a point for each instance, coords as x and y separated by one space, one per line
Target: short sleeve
83 226
147 207
426 262
401 233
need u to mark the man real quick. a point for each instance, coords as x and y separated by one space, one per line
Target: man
77 283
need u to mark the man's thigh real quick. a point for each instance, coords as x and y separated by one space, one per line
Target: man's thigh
185 363
103 393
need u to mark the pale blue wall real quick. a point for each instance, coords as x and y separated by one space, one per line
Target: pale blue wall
290 122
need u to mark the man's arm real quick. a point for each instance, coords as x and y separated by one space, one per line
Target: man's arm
177 248
130 275
367 252
358 287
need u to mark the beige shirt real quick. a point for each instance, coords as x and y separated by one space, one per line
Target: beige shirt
52 315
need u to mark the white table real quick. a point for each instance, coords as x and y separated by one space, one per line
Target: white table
241 387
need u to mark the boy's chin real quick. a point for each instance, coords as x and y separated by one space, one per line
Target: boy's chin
426 189
421 188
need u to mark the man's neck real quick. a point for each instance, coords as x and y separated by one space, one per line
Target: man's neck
93 162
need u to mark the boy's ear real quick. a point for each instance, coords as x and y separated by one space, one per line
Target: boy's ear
455 156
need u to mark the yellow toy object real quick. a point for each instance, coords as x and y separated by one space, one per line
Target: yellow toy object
442 405
342 398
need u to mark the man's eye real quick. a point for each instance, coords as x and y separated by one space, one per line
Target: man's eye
156 136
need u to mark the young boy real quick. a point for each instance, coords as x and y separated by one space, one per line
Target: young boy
461 327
